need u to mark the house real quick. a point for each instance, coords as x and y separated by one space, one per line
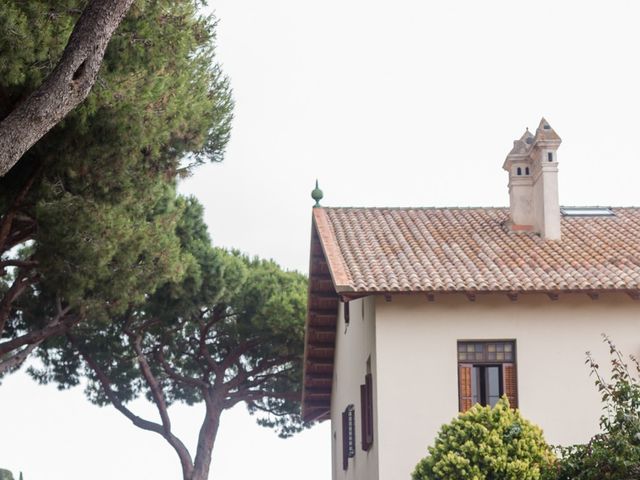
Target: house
416 314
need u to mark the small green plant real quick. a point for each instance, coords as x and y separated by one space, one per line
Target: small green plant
613 454
6 474
487 443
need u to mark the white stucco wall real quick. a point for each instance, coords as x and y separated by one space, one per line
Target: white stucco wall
416 363
354 346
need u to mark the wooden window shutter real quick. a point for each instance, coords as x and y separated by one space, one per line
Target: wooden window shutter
366 410
345 440
465 394
510 383
368 381
363 416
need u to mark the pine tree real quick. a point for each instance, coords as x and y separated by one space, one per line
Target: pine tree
230 331
66 86
88 215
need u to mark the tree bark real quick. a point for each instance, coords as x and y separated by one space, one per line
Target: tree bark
206 440
66 86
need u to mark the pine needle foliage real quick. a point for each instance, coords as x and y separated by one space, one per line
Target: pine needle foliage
90 212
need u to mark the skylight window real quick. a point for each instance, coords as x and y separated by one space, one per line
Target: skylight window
587 212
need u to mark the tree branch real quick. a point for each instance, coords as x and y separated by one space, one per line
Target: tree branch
235 354
6 223
152 382
55 326
16 263
174 375
17 359
66 86
19 285
253 395
18 236
205 328
105 383
261 367
31 340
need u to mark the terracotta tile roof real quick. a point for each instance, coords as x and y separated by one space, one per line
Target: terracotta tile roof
469 249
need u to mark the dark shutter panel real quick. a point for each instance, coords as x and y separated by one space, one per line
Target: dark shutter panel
363 416
346 312
510 383
345 440
368 381
465 394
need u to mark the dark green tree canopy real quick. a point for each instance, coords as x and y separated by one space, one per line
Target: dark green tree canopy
89 215
229 331
107 270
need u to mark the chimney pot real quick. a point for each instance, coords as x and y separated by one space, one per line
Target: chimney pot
533 198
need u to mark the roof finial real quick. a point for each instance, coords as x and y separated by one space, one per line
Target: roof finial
317 195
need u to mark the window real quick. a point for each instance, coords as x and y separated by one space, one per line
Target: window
519 171
366 412
587 211
526 171
348 436
486 372
550 156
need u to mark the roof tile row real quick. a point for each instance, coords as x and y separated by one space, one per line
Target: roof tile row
470 249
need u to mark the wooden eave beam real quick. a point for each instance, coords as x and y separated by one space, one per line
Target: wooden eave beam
319 266
321 284
321 352
321 338
317 392
323 328
323 302
318 383
320 376
634 295
317 402
323 345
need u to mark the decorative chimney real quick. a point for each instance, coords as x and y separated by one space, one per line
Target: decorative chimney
532 164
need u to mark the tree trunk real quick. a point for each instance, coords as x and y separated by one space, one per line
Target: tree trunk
206 441
66 86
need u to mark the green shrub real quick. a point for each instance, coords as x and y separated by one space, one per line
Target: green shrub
5 474
487 443
613 454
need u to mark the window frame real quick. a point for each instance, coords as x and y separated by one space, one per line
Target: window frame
508 373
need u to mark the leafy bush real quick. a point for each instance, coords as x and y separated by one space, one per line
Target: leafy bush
6 474
487 443
613 454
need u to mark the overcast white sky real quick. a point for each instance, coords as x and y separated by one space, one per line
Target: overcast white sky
387 103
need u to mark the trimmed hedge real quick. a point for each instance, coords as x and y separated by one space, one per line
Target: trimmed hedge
487 443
